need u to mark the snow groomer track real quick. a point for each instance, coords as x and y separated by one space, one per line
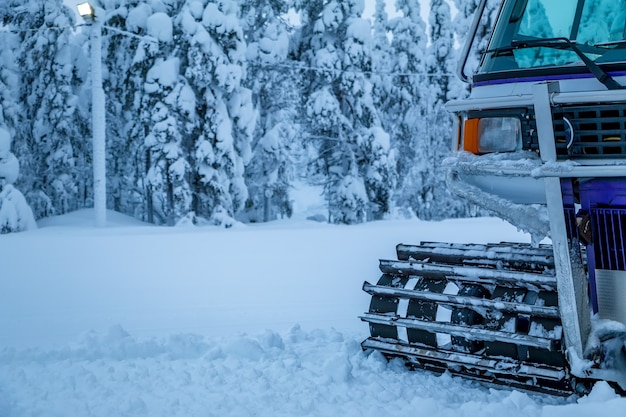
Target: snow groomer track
488 312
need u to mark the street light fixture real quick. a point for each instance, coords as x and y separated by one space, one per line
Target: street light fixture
86 11
98 115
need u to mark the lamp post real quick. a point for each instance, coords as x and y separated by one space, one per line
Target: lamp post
98 115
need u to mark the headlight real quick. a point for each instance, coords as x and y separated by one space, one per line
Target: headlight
492 134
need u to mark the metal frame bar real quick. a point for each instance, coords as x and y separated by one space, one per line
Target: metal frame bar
524 100
570 276
565 169
467 47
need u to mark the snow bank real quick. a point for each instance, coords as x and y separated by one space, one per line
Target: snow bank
298 373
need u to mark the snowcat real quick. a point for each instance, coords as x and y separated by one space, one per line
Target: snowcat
540 142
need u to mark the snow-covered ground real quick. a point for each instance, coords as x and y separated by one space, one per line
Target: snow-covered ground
260 320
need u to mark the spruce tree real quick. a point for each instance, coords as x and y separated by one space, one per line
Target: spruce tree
382 65
275 86
9 81
214 65
15 214
410 98
128 59
168 116
353 156
433 200
52 130
442 57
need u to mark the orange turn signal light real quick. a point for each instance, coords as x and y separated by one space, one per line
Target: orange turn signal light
470 136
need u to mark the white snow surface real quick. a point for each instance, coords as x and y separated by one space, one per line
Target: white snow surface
260 320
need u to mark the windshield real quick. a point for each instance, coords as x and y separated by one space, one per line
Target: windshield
597 27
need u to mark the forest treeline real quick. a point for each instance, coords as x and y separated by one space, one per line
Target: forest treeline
216 108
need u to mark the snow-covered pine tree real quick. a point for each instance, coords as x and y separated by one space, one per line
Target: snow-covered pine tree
410 93
381 64
52 133
442 59
432 200
9 80
168 114
127 61
160 108
375 158
15 214
352 150
214 65
275 84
